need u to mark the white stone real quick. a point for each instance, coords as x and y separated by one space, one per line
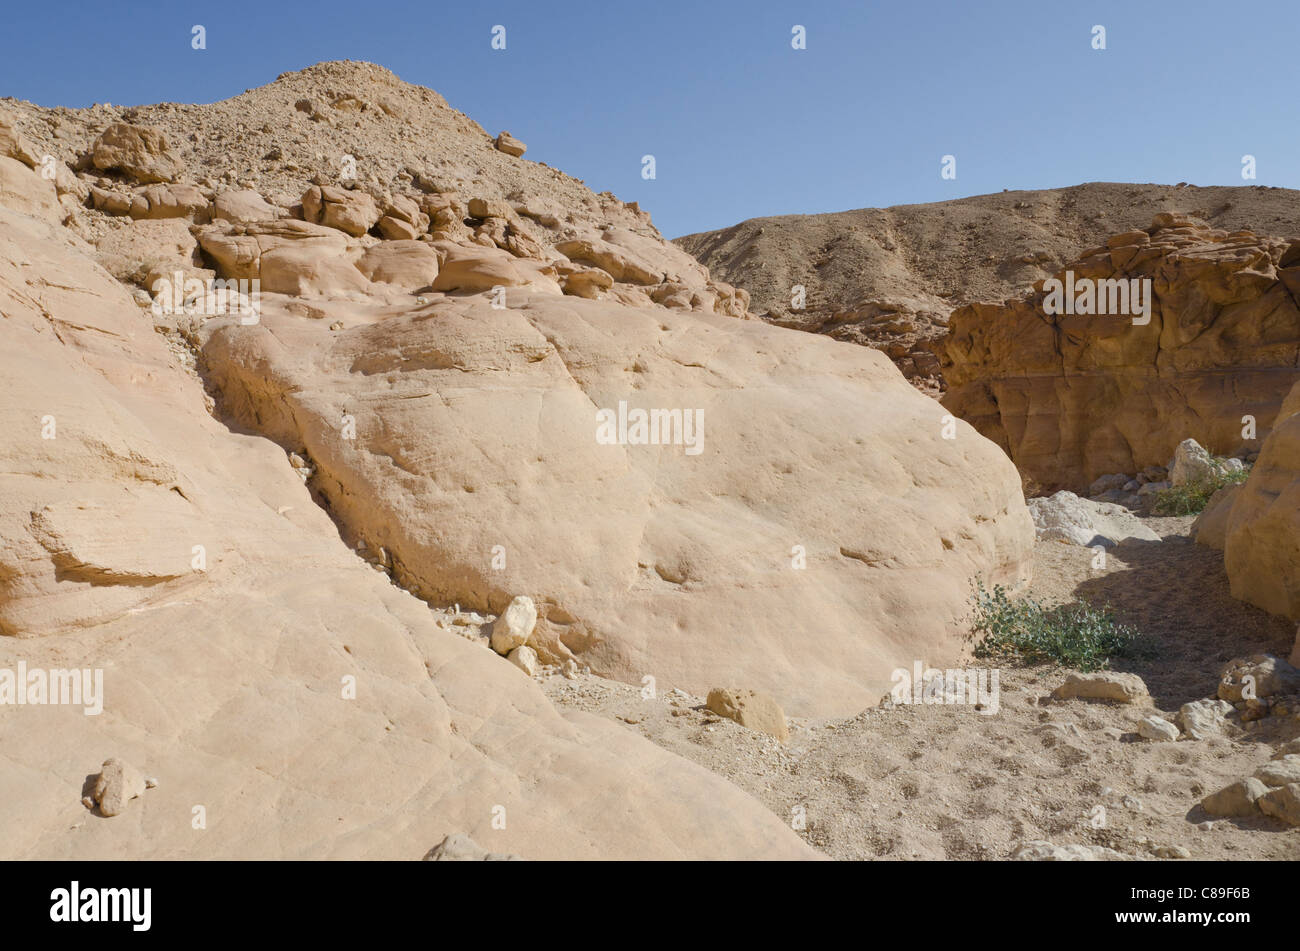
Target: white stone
1068 518
1204 718
1192 464
515 625
1157 728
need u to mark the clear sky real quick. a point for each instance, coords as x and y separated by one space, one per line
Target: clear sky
741 124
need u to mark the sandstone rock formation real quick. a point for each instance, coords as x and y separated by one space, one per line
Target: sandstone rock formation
438 397
681 561
833 543
295 701
1262 537
1074 396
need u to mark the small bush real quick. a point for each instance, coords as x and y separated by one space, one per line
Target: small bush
1192 498
1073 635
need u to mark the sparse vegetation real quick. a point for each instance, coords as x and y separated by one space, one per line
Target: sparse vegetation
1074 635
1192 498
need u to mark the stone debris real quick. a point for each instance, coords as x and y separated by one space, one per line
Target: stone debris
1204 718
1039 850
459 847
1105 685
1157 728
515 625
752 710
117 784
1237 799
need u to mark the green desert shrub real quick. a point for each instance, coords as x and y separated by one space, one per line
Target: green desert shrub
1023 631
1192 498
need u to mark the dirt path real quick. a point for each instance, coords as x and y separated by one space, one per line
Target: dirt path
935 782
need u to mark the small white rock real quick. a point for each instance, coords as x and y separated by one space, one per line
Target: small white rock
515 625
1157 728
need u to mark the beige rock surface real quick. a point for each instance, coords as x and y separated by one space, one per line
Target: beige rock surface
115 786
350 210
476 427
1262 544
231 674
1104 685
141 153
1211 526
752 710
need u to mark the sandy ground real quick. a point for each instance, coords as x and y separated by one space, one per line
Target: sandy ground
936 782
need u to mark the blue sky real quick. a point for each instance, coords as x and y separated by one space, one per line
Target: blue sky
741 125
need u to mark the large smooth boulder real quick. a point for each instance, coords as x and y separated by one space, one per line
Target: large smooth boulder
1211 526
472 269
286 256
1065 517
410 265
244 206
822 533
309 707
1261 551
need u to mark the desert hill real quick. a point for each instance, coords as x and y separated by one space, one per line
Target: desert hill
890 277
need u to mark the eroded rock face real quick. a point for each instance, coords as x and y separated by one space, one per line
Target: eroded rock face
162 543
1262 543
1072 397
350 210
286 256
805 546
139 152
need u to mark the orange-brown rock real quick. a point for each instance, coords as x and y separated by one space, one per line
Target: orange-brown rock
1072 397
